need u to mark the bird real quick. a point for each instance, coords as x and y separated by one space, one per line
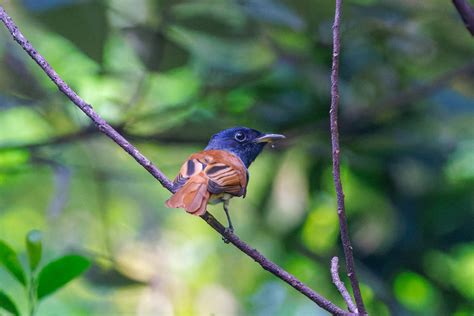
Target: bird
220 171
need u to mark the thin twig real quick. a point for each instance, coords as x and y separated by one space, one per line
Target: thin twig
467 14
346 243
105 128
340 285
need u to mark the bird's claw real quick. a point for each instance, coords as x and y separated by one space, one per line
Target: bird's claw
227 230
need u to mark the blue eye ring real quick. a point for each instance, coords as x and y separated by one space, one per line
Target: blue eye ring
240 137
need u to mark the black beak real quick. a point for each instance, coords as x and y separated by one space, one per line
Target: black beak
269 138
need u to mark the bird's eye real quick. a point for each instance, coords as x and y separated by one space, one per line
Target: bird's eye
240 137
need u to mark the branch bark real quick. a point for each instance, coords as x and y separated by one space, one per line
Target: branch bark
105 128
333 114
467 14
340 285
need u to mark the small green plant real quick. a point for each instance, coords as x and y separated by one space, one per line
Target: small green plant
38 283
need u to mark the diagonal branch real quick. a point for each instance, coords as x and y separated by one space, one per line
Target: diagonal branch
108 130
340 285
346 243
467 14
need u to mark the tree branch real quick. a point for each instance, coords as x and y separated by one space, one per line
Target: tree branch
467 14
105 128
340 285
346 243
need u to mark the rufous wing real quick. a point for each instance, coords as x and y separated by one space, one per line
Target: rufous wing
205 173
192 196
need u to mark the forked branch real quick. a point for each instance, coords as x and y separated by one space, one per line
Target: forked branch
333 115
340 285
108 130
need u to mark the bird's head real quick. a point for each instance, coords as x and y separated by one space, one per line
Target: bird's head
244 142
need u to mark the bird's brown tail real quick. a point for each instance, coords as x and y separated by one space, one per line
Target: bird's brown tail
192 196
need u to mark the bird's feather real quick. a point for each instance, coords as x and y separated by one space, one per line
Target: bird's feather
205 173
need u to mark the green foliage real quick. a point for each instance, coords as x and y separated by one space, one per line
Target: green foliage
7 304
11 158
168 74
462 274
91 15
414 291
37 127
53 276
225 55
9 260
323 220
59 272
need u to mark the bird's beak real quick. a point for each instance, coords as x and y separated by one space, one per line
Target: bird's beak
269 138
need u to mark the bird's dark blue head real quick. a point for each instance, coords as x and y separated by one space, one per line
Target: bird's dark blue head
244 142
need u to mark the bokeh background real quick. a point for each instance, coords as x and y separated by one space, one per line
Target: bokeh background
168 74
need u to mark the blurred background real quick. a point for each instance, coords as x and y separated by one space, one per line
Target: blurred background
168 75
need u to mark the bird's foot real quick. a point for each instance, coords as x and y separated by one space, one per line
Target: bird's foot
227 230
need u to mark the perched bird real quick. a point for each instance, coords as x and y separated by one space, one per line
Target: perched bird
220 171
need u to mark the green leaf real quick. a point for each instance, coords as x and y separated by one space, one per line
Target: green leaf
59 272
83 23
38 130
13 157
9 260
414 291
7 304
155 50
34 248
231 55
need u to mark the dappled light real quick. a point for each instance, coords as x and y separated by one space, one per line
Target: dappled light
84 230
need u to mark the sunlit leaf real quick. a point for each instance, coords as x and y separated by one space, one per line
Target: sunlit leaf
13 158
463 271
413 291
20 124
320 230
59 272
169 90
7 304
9 260
34 248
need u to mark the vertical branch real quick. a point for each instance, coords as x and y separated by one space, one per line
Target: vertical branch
467 14
114 135
346 243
